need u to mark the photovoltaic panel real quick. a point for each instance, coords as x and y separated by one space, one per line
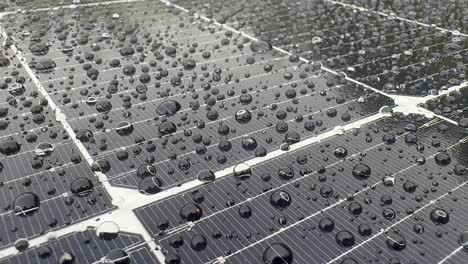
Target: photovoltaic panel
40 165
270 87
87 247
243 213
272 131
389 54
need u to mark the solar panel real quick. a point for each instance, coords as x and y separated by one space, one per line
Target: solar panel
88 246
313 131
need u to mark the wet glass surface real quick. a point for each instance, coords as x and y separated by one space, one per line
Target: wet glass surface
196 131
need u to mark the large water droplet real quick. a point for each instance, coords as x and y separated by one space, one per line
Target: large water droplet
463 240
243 116
277 253
242 171
361 171
166 128
439 217
326 225
260 46
280 199
81 187
198 243
206 176
150 185
396 242
191 212
26 204
145 171
117 256
107 230
168 108
344 238
9 147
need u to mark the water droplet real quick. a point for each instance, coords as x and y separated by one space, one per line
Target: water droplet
344 238
242 171
439 217
124 128
44 149
45 65
355 208
107 230
442 159
243 116
26 204
81 187
340 152
117 256
166 128
388 181
66 258
292 137
249 143
245 211
463 240
198 243
280 199
277 253
150 185
191 212
145 171
349 261
361 171
168 108
326 225
206 176
286 173
260 46
396 242
463 123
9 147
